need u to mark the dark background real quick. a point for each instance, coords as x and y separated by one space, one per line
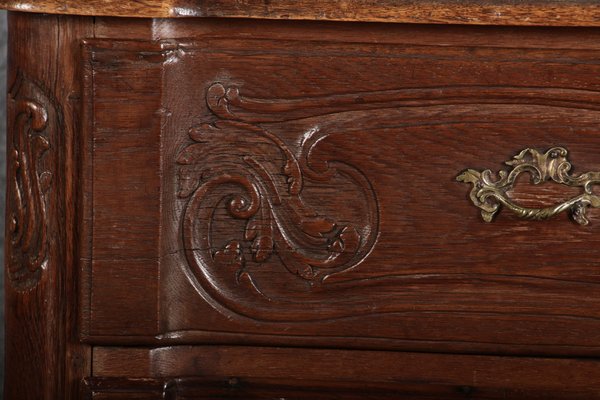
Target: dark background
2 181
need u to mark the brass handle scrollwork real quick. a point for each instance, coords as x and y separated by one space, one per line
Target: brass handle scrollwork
490 194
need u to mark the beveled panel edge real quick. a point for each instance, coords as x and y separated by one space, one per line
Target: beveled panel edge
472 12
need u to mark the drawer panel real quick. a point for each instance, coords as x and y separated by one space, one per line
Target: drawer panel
304 192
238 372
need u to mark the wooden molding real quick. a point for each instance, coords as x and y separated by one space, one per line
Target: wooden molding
485 12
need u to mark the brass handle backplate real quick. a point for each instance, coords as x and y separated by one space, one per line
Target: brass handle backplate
490 194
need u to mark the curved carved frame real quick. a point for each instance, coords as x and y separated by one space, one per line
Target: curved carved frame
260 180
263 186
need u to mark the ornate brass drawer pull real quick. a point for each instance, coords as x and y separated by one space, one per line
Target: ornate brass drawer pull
489 194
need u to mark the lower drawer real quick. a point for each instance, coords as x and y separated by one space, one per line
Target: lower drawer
209 372
270 190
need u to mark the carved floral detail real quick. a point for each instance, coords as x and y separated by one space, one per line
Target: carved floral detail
260 179
29 181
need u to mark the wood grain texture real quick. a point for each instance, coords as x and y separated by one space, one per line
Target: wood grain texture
226 182
281 158
488 12
261 373
317 388
43 356
125 245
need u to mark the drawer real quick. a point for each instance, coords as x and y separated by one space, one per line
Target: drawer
240 372
283 190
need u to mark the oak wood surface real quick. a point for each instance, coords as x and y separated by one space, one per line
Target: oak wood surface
260 388
432 275
120 165
43 354
311 373
478 12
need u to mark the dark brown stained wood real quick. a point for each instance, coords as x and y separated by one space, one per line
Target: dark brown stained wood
121 179
43 355
308 388
486 12
337 159
311 373
185 190
458 35
123 389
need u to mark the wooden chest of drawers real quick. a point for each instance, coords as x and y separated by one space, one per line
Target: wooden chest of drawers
217 207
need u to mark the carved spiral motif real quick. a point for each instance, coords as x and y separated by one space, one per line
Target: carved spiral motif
259 179
29 183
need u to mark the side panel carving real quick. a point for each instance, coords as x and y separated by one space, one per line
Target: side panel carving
30 177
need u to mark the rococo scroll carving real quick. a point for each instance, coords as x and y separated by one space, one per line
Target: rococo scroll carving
489 194
32 117
260 179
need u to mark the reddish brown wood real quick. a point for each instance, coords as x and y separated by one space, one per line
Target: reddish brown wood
478 12
335 147
124 389
43 356
125 244
347 138
257 372
257 388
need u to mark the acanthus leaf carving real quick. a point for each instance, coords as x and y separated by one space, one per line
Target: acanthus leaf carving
260 179
32 119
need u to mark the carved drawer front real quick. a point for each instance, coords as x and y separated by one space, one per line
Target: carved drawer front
305 192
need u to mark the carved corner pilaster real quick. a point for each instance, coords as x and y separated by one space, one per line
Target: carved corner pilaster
33 120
